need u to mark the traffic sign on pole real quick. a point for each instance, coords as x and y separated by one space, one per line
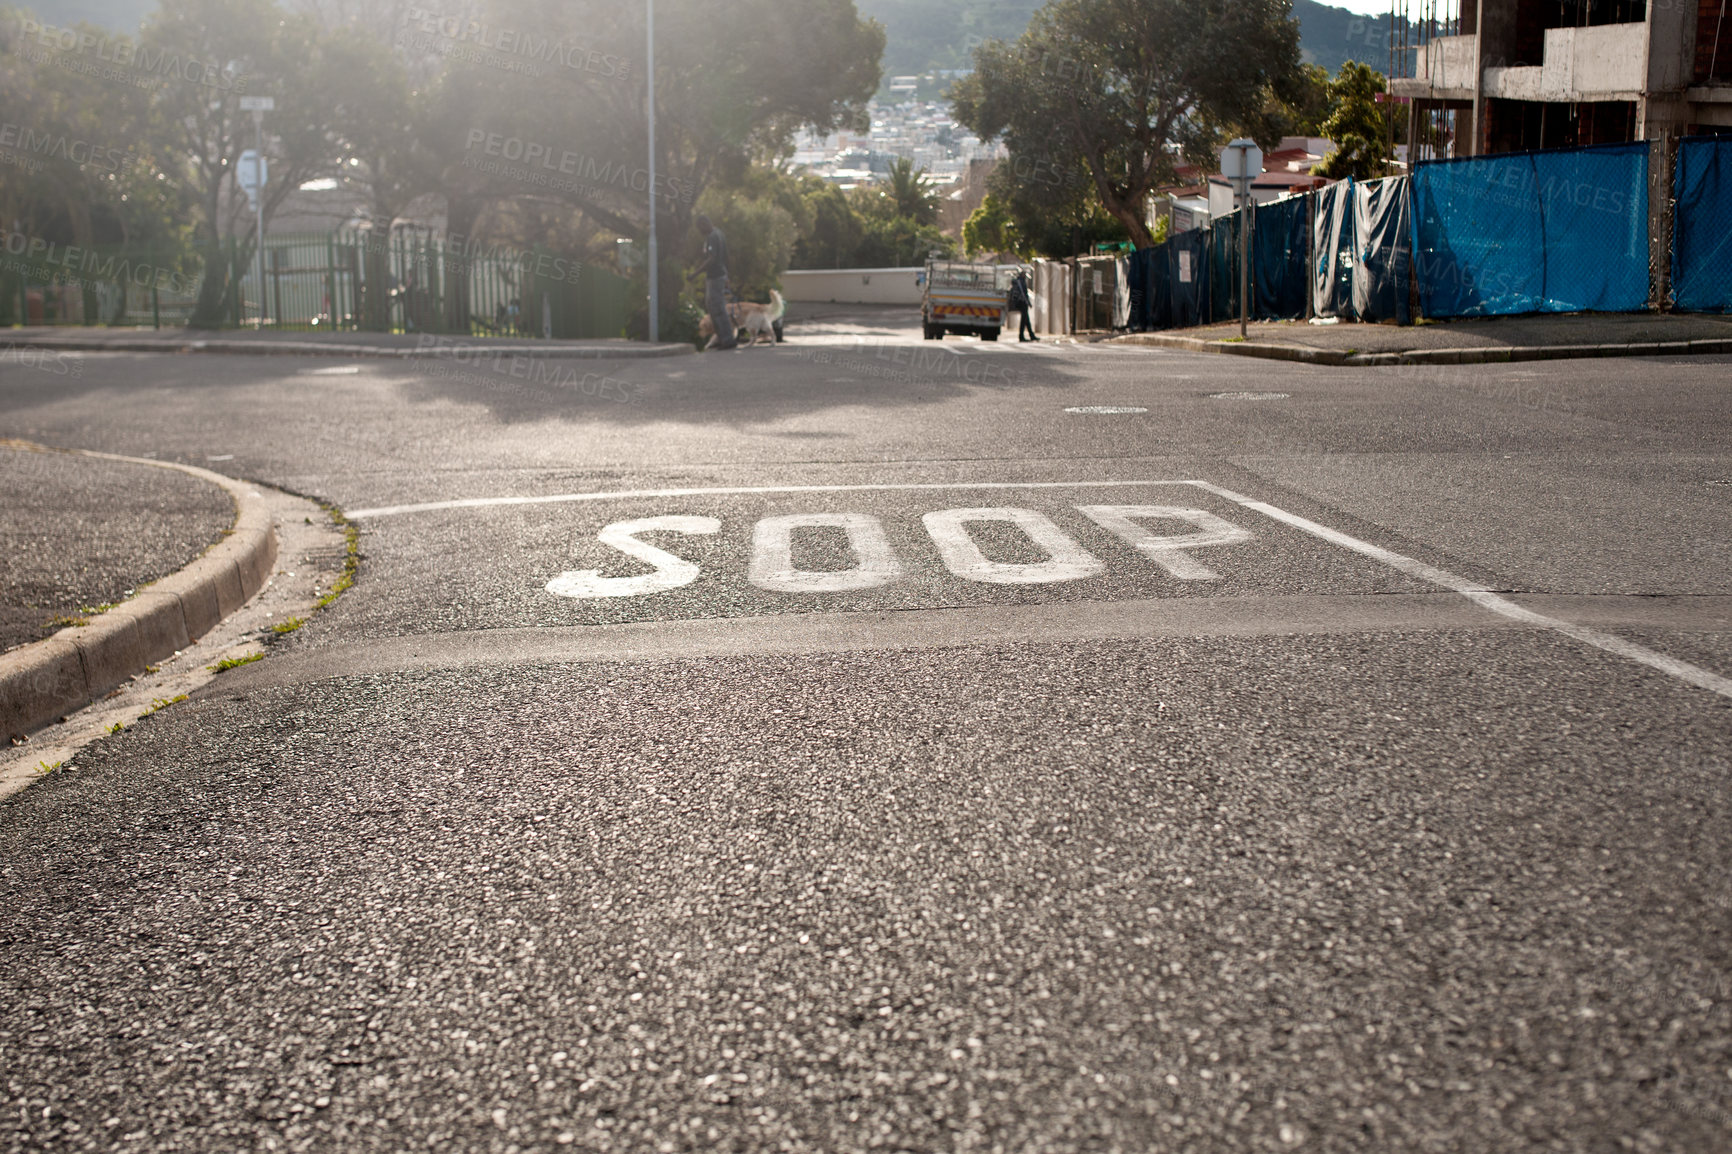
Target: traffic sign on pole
1241 162
253 174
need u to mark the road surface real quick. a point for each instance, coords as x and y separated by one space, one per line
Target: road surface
873 744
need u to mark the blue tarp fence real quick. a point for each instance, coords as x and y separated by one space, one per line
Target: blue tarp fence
1564 230
1176 282
1558 231
1224 266
1382 252
1362 259
1280 240
1702 225
1331 277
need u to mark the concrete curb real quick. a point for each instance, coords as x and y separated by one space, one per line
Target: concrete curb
1470 356
624 351
47 679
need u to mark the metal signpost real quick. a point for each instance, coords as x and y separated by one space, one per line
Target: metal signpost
1241 161
654 267
252 175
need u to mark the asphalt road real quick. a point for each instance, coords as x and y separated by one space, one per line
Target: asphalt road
926 782
79 533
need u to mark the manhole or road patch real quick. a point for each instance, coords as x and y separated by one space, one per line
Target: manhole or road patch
1105 410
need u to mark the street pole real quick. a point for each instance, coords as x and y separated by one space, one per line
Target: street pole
1244 256
654 265
1241 161
259 208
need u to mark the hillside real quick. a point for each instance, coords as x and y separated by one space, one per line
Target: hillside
1330 36
923 35
115 15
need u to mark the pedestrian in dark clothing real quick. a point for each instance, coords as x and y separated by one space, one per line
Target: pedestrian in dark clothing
716 283
1019 300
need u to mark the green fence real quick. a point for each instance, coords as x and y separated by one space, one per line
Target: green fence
411 280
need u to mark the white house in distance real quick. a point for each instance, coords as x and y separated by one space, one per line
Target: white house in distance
1287 169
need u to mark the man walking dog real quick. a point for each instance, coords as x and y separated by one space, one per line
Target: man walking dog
716 283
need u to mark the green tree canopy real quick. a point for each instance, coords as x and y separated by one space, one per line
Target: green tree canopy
990 229
1356 125
1113 91
908 190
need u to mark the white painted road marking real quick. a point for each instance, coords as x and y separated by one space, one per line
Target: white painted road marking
670 572
1105 410
772 565
1066 560
1683 670
1167 552
1672 667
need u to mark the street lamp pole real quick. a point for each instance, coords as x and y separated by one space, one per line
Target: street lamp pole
259 208
654 265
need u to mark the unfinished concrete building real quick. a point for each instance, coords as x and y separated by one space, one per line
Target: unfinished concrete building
1512 75
1499 76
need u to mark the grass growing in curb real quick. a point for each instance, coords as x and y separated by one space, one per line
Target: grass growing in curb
235 662
162 703
351 556
284 628
43 769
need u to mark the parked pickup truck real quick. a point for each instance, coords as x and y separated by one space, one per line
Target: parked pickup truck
964 298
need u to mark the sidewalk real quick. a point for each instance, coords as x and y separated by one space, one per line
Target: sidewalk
108 564
1459 342
92 338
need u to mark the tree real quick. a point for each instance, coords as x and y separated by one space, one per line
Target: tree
262 50
1356 125
89 172
833 236
729 91
1111 90
377 124
989 229
888 239
762 211
1300 111
912 196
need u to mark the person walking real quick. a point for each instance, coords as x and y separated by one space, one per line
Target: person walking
716 283
1019 300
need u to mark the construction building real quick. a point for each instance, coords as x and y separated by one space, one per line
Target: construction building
1500 76
1513 75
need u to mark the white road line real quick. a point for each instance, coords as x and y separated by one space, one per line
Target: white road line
1477 593
1485 598
562 498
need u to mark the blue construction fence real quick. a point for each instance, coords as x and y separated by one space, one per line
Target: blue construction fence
1702 225
1564 230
